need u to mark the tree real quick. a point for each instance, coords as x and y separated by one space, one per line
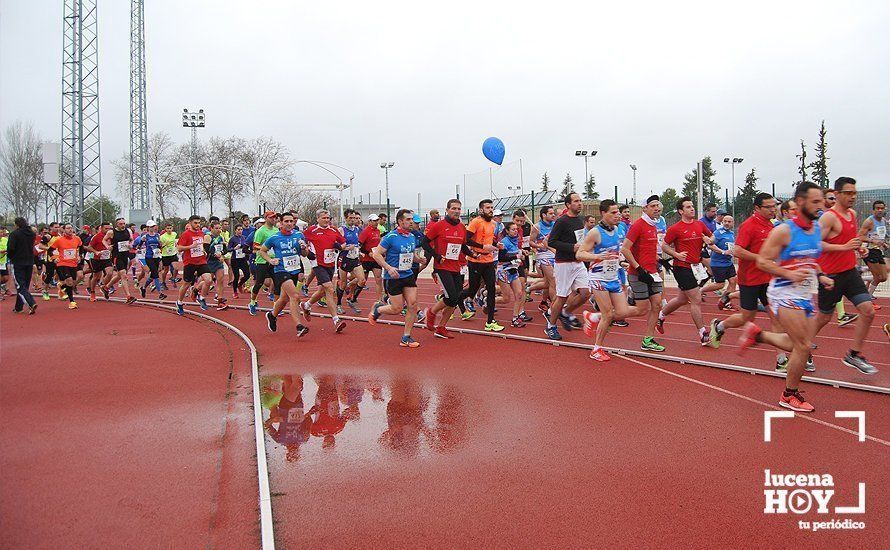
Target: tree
21 170
744 203
567 184
97 209
590 189
264 161
709 185
669 198
283 197
166 190
545 183
307 203
802 169
232 181
819 166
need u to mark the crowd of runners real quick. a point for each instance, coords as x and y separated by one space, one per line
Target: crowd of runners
795 261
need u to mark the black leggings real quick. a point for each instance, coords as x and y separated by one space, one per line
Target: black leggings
154 265
239 265
263 272
482 272
452 286
49 269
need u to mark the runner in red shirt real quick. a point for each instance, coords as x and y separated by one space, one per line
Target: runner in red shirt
100 265
753 282
840 232
640 249
446 242
368 240
684 241
194 245
327 242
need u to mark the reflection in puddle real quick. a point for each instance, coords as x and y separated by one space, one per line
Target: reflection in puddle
312 416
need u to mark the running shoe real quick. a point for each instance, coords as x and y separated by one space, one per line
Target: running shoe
307 309
222 306
620 323
104 290
468 305
340 310
576 323
659 325
271 297
45 295
782 365
553 333
235 295
846 319
271 321
749 336
372 318
704 338
715 335
92 296
600 355
493 326
857 361
421 315
442 332
591 322
302 330
649 344
566 322
32 309
162 296
354 307
131 299
203 303
305 291
322 303
142 291
251 308
480 300
796 402
525 317
180 308
467 315
112 290
810 366
430 321
408 342
517 322
887 329
544 306
876 306
338 328
72 305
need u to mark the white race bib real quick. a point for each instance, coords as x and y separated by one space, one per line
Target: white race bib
105 254
656 277
239 253
579 235
809 286
526 241
218 248
291 263
352 254
197 248
330 255
405 261
452 251
700 272
155 252
88 256
464 270
610 267
123 246
881 230
140 254
69 253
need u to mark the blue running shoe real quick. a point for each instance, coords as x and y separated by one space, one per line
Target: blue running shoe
251 308
553 333
468 305
203 304
180 309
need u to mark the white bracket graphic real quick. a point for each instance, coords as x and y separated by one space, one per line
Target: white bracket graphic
767 422
854 414
860 509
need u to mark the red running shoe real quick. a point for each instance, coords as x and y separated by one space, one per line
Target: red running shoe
796 402
442 332
591 321
749 336
600 355
430 320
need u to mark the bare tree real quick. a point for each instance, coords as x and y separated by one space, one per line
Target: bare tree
21 171
284 197
165 180
308 202
265 161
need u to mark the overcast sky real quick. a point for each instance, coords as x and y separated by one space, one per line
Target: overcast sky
423 84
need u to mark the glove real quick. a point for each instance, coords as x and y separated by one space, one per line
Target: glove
644 276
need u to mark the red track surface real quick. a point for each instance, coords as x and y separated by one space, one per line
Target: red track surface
485 441
123 428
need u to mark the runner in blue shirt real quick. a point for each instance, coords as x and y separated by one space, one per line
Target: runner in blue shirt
721 264
395 254
510 256
151 240
288 246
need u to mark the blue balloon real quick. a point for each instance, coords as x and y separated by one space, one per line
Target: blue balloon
493 149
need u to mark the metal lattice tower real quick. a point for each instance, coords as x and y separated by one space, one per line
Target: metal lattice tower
80 178
139 182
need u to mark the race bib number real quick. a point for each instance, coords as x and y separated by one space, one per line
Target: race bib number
291 263
104 254
452 252
239 253
700 272
69 254
464 270
579 235
656 277
352 254
610 267
882 232
217 248
295 415
405 261
808 286
123 246
197 248
88 256
155 252
660 240
526 241
330 255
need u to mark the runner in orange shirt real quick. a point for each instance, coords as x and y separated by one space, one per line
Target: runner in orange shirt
68 247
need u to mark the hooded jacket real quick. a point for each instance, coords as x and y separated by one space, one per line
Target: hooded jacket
20 248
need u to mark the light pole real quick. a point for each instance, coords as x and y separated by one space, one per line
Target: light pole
194 121
586 155
514 188
732 161
386 166
634 196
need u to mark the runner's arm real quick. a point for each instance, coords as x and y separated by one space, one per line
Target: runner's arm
585 251
428 248
766 260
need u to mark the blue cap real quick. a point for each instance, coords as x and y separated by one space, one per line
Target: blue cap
417 218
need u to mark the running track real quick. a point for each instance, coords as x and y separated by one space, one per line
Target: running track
478 441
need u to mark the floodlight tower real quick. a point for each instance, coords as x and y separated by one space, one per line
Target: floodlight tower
139 189
194 121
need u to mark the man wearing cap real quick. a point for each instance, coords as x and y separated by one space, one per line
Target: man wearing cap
368 239
640 249
263 270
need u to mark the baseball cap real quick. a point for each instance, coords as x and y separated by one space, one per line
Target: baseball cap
258 220
86 228
721 212
417 218
497 213
151 223
373 217
651 198
269 214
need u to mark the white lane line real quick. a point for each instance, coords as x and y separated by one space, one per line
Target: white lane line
751 399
